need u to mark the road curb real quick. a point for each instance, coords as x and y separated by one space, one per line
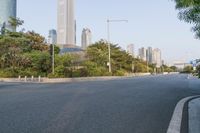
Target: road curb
194 115
176 120
67 80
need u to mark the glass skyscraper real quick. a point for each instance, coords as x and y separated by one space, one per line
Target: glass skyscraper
52 37
7 10
86 38
150 55
66 23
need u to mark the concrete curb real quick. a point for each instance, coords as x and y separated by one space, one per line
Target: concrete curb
67 80
175 123
194 115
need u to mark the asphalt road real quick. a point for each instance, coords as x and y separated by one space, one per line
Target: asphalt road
135 105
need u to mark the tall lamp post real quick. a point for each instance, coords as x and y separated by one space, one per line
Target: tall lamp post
109 46
53 59
147 66
53 54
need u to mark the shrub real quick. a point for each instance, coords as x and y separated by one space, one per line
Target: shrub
59 71
8 73
120 73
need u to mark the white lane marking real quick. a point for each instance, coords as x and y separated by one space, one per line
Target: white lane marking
175 123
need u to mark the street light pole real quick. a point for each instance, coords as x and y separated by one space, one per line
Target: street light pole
109 49
109 45
53 59
147 66
52 46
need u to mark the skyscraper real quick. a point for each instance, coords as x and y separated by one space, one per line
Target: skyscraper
142 54
157 59
86 38
150 55
8 8
130 49
52 38
65 23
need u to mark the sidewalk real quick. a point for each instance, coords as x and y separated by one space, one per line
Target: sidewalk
194 116
186 119
194 109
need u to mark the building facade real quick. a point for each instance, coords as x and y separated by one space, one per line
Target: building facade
157 57
142 54
150 55
8 8
86 39
131 49
66 23
52 38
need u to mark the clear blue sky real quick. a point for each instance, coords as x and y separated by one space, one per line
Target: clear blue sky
151 23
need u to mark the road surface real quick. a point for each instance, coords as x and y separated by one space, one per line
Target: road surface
133 105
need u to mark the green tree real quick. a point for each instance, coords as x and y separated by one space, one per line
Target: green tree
189 12
41 62
140 67
98 53
15 22
198 70
12 45
188 69
24 53
56 49
36 41
93 69
174 68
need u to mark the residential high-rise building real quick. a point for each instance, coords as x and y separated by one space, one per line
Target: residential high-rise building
150 55
130 49
8 8
86 38
142 54
66 23
52 38
163 62
157 59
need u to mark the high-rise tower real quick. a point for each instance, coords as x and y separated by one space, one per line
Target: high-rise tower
157 59
86 38
52 38
8 8
130 49
65 23
142 54
150 55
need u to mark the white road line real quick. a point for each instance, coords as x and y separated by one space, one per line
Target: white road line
175 123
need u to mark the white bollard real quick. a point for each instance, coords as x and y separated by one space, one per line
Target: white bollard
25 78
32 78
39 79
19 78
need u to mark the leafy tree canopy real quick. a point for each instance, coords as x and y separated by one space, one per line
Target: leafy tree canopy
190 13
